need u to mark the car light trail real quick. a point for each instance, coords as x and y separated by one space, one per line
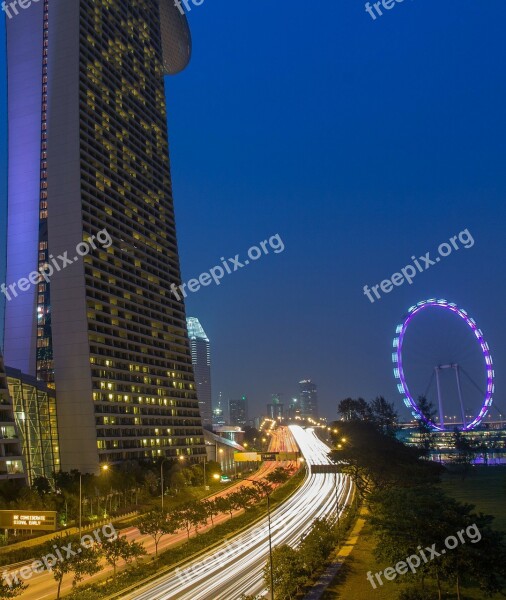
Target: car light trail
236 567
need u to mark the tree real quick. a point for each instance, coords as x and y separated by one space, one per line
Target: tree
279 475
425 431
211 509
151 483
85 562
376 461
120 548
41 485
11 589
192 514
384 415
263 487
156 524
354 410
407 519
177 480
224 505
288 572
465 452
243 497
81 560
317 545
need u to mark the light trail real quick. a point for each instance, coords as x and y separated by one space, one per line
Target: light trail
236 567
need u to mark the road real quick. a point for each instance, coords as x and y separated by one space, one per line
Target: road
235 568
282 441
43 586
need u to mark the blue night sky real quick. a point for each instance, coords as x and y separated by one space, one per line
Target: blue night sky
361 143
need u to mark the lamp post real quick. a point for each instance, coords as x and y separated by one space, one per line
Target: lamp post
161 476
80 502
337 509
270 538
105 468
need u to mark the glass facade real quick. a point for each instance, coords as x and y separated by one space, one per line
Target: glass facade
35 414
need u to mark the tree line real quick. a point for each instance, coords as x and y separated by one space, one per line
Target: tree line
409 509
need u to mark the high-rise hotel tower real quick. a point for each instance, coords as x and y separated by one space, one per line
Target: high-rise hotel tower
88 152
201 359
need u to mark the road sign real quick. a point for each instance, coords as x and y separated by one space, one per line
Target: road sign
269 455
247 457
38 520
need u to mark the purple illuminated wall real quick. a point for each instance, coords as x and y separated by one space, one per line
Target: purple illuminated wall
24 64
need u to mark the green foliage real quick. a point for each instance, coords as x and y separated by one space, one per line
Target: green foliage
83 560
377 461
426 433
11 591
293 568
289 573
407 519
465 452
192 514
354 410
120 548
156 524
279 475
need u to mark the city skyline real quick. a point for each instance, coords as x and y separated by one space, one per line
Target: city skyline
341 229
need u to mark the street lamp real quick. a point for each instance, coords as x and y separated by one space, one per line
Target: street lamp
104 468
270 537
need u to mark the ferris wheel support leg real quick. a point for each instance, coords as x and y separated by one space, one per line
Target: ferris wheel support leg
439 399
457 375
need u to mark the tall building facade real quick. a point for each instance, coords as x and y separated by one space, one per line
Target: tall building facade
308 399
88 156
201 359
238 411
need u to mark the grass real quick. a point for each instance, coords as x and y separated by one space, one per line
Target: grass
485 487
351 581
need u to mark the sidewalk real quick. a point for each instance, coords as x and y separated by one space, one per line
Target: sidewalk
345 550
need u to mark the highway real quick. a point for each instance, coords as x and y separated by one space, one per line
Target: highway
42 586
235 567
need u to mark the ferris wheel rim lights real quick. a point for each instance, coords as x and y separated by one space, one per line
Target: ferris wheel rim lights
399 371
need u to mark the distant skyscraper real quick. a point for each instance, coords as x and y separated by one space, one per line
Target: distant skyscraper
308 398
218 413
201 359
88 156
293 408
238 411
276 408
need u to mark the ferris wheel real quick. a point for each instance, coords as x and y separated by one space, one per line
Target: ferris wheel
442 421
